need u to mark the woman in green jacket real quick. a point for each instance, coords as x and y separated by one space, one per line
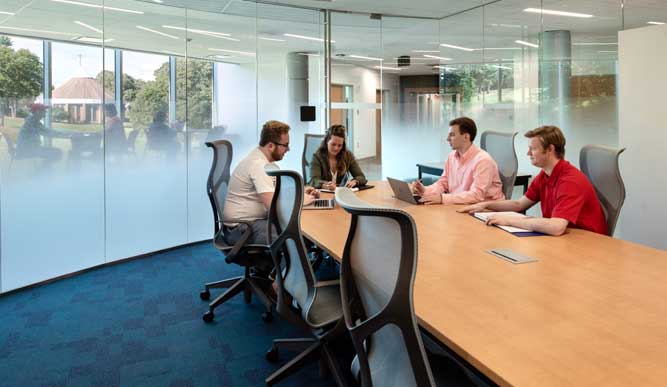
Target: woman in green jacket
332 162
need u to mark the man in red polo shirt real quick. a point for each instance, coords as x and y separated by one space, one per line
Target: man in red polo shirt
566 196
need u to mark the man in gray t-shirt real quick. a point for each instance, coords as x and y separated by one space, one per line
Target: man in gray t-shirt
251 190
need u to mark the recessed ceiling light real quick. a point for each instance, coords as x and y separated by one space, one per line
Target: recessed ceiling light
456 47
527 43
88 39
7 13
156 32
306 37
595 44
497 48
556 13
98 6
171 52
307 54
436 57
414 58
36 30
364 57
272 39
195 30
505 25
233 51
219 35
88 26
386 68
655 22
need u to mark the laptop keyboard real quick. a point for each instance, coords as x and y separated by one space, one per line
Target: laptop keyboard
323 203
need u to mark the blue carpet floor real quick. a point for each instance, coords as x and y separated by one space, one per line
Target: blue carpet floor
139 324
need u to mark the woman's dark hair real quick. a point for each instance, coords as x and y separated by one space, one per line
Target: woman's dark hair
323 150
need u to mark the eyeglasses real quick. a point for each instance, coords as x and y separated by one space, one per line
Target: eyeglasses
285 145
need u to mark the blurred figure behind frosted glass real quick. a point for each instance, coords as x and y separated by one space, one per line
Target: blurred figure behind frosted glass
29 142
220 132
116 142
160 136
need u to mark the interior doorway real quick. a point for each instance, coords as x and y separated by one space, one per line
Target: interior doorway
341 111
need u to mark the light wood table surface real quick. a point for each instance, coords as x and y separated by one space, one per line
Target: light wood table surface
591 312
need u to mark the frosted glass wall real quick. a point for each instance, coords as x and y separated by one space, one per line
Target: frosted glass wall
117 164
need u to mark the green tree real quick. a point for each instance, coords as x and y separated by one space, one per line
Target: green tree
194 90
20 78
131 86
5 41
153 97
468 84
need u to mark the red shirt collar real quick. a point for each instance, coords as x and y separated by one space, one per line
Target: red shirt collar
555 173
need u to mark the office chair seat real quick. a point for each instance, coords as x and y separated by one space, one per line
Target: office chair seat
325 309
250 255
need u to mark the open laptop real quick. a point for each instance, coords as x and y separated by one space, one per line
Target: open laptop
321 204
402 191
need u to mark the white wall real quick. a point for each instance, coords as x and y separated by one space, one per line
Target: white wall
365 83
642 130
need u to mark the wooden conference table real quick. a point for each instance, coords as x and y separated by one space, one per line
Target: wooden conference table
591 312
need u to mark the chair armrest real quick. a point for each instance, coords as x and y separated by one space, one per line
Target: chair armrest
229 258
322 284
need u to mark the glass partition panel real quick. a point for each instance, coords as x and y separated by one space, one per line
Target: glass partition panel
511 61
357 70
437 85
578 67
146 195
51 123
221 99
290 62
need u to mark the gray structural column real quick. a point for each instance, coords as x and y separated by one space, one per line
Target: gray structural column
172 89
554 77
327 68
118 83
297 85
46 85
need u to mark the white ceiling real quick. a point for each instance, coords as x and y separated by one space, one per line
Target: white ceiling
496 25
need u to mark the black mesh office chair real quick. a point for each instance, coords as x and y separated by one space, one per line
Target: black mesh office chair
500 146
241 253
310 144
377 279
600 164
315 306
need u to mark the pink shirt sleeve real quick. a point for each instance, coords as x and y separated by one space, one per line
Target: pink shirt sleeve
440 186
483 175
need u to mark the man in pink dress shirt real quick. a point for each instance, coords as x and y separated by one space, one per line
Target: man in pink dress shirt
470 175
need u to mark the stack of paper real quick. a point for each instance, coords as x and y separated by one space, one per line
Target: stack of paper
484 216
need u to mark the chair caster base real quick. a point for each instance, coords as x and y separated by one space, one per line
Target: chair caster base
208 316
272 355
205 295
267 317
